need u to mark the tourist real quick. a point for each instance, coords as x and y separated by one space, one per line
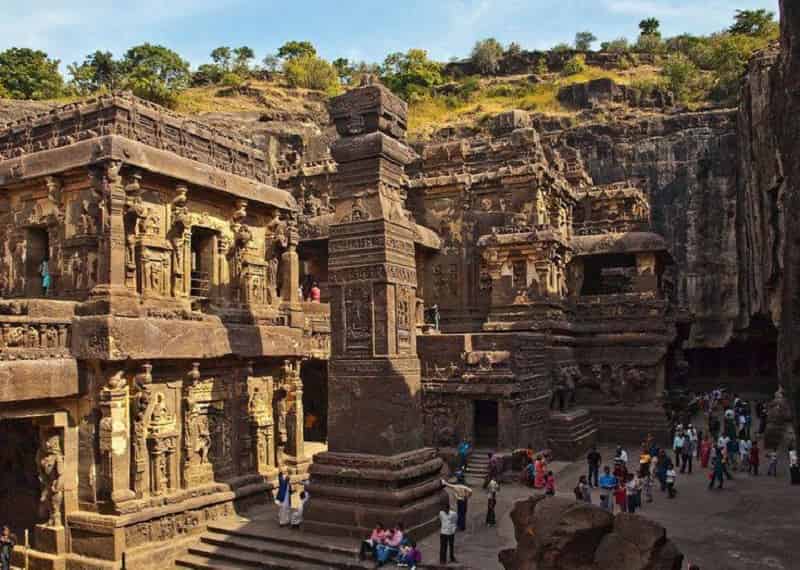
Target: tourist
447 534
607 485
377 537
463 452
794 467
633 489
687 453
44 272
316 293
462 493
621 455
717 469
744 454
755 458
593 459
409 556
495 465
297 514
7 543
550 484
583 490
647 485
540 466
492 488
530 473
772 466
390 546
761 414
705 451
284 497
677 445
644 460
671 478
664 464
620 497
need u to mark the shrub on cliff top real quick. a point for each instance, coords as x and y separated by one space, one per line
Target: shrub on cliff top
486 56
411 75
311 72
29 74
574 65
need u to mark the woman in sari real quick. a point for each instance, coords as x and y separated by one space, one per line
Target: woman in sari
284 498
705 451
541 469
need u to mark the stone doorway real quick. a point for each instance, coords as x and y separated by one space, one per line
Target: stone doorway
204 244
19 476
37 249
486 420
314 374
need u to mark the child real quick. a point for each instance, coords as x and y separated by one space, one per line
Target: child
671 476
648 488
550 484
409 556
297 514
772 468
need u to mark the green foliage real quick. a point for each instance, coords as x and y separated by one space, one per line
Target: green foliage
221 57
154 72
541 66
513 49
311 72
649 43
207 74
584 40
619 45
561 48
232 80
680 75
728 59
99 71
411 75
468 88
575 65
29 74
486 56
754 23
650 27
271 63
294 49
343 68
242 56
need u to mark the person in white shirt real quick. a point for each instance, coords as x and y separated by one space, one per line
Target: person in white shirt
447 534
677 447
671 477
622 455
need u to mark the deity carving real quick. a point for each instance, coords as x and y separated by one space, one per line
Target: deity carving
51 476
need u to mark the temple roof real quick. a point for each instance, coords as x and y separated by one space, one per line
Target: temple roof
630 242
92 130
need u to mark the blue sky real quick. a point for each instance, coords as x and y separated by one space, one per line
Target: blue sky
356 29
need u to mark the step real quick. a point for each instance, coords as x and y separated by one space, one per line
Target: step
266 537
235 558
203 563
299 554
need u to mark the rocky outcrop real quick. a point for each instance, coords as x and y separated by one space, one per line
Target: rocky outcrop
562 534
600 92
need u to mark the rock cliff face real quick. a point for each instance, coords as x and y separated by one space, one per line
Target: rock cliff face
687 164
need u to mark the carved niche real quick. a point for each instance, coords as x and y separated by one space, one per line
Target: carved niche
358 317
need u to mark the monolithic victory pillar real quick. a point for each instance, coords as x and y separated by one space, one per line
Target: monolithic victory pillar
376 468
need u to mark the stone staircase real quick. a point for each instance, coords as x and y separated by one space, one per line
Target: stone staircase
631 424
230 545
477 467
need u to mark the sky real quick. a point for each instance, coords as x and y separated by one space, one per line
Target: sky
360 30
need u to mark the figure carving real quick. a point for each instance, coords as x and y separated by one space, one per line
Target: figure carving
51 476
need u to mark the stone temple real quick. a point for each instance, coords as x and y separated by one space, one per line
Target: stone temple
160 359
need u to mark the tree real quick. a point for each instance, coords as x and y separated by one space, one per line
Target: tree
271 63
29 74
242 56
293 49
754 23
311 72
513 49
584 40
561 48
154 72
619 45
343 68
649 43
207 74
650 27
221 57
99 71
486 56
411 74
680 74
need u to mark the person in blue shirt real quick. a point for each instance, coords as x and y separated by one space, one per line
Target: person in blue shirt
463 451
607 485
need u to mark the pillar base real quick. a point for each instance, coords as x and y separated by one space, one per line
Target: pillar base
351 492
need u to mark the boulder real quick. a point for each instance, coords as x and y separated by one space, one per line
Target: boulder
555 533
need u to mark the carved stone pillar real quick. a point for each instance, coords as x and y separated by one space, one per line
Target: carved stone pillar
259 410
115 441
376 467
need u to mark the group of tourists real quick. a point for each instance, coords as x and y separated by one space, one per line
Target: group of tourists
536 472
619 488
391 545
288 516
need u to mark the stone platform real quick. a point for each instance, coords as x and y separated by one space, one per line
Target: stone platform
630 424
571 433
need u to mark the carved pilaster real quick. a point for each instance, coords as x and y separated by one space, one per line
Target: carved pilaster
115 440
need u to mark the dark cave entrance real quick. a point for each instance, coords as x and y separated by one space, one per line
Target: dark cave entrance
19 476
486 421
314 374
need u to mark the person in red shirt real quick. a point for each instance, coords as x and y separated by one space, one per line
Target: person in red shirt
316 294
755 458
550 484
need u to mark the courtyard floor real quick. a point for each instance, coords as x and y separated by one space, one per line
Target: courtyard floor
753 523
